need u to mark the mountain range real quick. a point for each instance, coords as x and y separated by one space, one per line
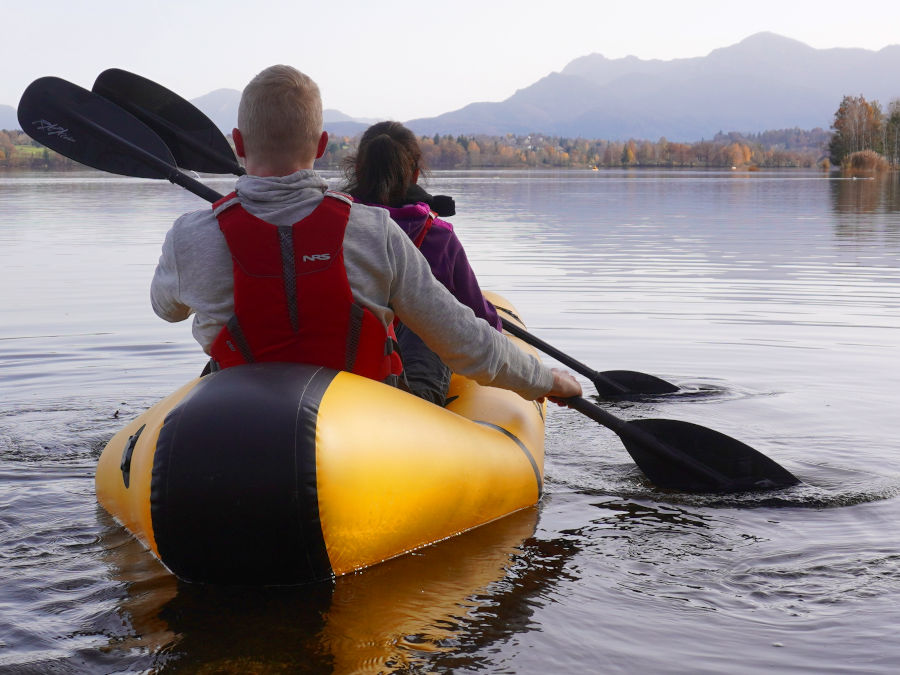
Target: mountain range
764 82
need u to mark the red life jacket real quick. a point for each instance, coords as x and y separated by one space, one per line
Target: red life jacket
292 299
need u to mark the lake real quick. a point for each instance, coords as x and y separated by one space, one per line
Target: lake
771 298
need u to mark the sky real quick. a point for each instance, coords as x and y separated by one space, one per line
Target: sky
396 59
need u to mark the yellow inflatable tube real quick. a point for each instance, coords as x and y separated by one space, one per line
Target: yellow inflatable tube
285 473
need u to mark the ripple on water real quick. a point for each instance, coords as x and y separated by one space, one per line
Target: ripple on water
592 460
50 573
63 429
731 561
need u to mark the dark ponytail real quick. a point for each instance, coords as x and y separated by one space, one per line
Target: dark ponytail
382 170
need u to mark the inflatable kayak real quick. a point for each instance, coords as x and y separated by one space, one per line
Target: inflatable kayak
281 473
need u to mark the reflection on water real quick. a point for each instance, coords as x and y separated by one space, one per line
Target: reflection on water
451 599
770 298
857 197
866 212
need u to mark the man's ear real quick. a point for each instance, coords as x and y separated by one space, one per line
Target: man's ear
323 144
238 143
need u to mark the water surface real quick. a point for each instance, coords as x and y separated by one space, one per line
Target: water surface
771 298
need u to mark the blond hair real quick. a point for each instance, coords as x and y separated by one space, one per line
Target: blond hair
280 115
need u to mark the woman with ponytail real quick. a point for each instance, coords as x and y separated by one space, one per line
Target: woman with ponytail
385 173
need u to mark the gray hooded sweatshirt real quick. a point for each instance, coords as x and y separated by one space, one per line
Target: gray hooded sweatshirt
387 274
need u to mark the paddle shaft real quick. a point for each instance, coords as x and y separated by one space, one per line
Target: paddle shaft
563 358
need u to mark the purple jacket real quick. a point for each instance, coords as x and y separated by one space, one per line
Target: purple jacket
444 252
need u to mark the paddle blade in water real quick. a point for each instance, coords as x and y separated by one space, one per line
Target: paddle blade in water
194 139
619 383
91 130
701 459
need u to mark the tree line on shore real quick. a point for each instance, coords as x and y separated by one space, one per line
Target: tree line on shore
862 137
19 151
784 148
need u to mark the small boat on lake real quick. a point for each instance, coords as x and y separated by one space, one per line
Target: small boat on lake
278 473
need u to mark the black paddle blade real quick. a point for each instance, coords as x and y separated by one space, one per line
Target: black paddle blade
699 459
83 126
623 383
195 141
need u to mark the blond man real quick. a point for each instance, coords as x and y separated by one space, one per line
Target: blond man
284 270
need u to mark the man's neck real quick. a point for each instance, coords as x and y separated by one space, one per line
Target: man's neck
265 169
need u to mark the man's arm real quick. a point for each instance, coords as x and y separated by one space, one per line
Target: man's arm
468 345
165 287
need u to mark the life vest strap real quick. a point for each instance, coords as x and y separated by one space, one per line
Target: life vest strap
289 271
225 202
429 221
238 341
354 331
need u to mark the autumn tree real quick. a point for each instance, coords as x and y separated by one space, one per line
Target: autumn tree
857 127
892 133
431 152
451 156
6 146
646 154
473 151
734 154
662 150
612 154
705 152
629 154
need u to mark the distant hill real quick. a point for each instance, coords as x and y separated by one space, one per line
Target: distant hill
764 82
350 128
221 107
8 119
